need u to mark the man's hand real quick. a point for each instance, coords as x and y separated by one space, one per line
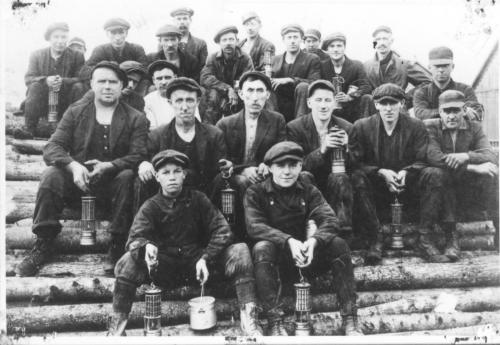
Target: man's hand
225 167
201 271
233 96
308 251
54 82
472 114
276 82
151 256
336 139
391 180
252 174
81 175
401 178
342 97
455 160
146 171
296 250
487 168
126 91
263 171
98 168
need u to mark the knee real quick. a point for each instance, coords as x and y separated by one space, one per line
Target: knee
238 260
339 184
52 178
125 177
242 182
36 89
366 99
338 247
307 177
433 177
359 179
264 251
301 88
127 268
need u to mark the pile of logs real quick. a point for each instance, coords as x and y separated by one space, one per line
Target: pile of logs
404 295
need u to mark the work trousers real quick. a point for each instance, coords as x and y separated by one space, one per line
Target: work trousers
339 194
356 109
290 100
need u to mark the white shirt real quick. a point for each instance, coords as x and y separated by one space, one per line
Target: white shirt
158 111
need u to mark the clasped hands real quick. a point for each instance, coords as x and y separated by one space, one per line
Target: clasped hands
302 252
82 176
395 181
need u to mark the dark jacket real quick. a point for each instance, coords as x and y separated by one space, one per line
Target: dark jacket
212 75
210 147
275 215
38 68
306 68
71 140
426 99
364 145
470 139
353 73
270 130
189 66
197 48
190 224
260 46
319 53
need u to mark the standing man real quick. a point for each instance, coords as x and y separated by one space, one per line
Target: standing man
189 44
221 74
53 68
277 211
388 152
94 151
312 43
293 71
319 133
255 45
179 234
353 91
466 165
426 98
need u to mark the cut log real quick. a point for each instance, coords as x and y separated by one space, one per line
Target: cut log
464 229
12 156
488 330
30 147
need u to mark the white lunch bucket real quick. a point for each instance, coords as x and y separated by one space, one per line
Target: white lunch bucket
202 314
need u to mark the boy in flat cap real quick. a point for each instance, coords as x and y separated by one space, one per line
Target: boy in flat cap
353 92
277 211
53 68
292 72
466 166
388 152
312 44
221 74
77 44
179 235
254 44
94 151
426 98
195 46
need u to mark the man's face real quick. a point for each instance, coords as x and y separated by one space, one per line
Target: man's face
252 27
78 48
183 22
169 43
389 110
452 116
171 178
336 50
254 95
106 86
162 78
184 103
58 40
384 42
134 78
228 43
322 102
286 173
292 41
441 73
117 37
311 44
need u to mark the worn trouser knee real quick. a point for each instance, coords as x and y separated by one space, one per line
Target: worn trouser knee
129 274
301 107
36 104
239 267
434 199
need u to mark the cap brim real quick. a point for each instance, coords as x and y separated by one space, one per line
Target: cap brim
457 104
170 160
312 36
289 157
395 99
113 27
440 61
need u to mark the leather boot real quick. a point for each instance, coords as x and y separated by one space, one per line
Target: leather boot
350 325
277 328
451 250
249 320
374 255
24 133
117 324
41 253
428 249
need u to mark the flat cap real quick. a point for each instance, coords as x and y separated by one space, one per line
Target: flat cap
114 67
292 28
168 30
312 33
451 99
388 91
285 150
182 11
249 15
77 40
131 66
116 23
183 83
225 30
336 36
158 65
440 56
381 28
255 75
169 156
53 27
319 84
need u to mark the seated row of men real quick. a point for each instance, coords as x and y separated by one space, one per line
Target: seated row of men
101 144
63 69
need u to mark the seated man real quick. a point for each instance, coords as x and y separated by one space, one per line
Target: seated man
388 152
202 143
466 165
221 74
426 98
292 73
319 133
248 135
94 151
353 92
54 68
77 44
277 211
312 44
255 45
180 235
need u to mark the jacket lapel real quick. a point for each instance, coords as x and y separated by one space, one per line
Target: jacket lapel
201 143
310 128
87 121
240 133
117 125
297 64
375 135
262 129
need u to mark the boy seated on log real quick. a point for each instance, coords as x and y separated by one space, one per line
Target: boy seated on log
179 235
465 165
277 211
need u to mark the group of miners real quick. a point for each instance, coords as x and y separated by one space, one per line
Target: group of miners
156 138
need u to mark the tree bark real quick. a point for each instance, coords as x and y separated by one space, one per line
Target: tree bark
28 146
